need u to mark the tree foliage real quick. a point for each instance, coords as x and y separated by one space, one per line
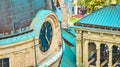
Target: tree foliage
92 5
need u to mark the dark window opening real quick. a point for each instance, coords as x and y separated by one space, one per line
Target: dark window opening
118 29
114 29
4 62
96 26
102 27
108 28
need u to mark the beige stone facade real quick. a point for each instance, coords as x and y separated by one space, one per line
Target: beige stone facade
86 37
19 54
22 54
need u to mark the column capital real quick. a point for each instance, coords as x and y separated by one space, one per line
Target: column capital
97 45
110 47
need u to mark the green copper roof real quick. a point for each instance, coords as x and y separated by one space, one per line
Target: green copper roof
107 16
68 58
69 37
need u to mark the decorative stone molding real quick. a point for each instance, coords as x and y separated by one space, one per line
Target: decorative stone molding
78 35
78 38
114 36
78 31
89 33
101 34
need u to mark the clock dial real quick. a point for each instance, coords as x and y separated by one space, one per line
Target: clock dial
45 37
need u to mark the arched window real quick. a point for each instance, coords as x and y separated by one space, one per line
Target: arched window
92 53
104 55
116 56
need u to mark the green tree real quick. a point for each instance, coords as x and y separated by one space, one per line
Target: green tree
92 5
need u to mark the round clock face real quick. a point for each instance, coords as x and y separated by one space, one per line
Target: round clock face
45 38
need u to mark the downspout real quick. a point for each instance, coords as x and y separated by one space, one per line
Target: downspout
34 39
34 51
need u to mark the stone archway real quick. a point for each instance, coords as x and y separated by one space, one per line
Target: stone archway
104 55
92 53
116 56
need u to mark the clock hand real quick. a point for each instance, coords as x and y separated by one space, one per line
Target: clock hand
47 40
46 37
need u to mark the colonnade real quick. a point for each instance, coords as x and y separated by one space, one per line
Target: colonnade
96 48
83 53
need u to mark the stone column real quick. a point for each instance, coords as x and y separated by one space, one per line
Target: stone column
78 48
77 53
98 54
110 55
85 53
65 14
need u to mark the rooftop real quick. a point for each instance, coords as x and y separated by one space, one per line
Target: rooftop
108 16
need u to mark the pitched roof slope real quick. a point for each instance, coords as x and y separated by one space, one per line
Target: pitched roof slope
107 16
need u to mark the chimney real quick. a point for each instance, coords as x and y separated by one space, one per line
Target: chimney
113 2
